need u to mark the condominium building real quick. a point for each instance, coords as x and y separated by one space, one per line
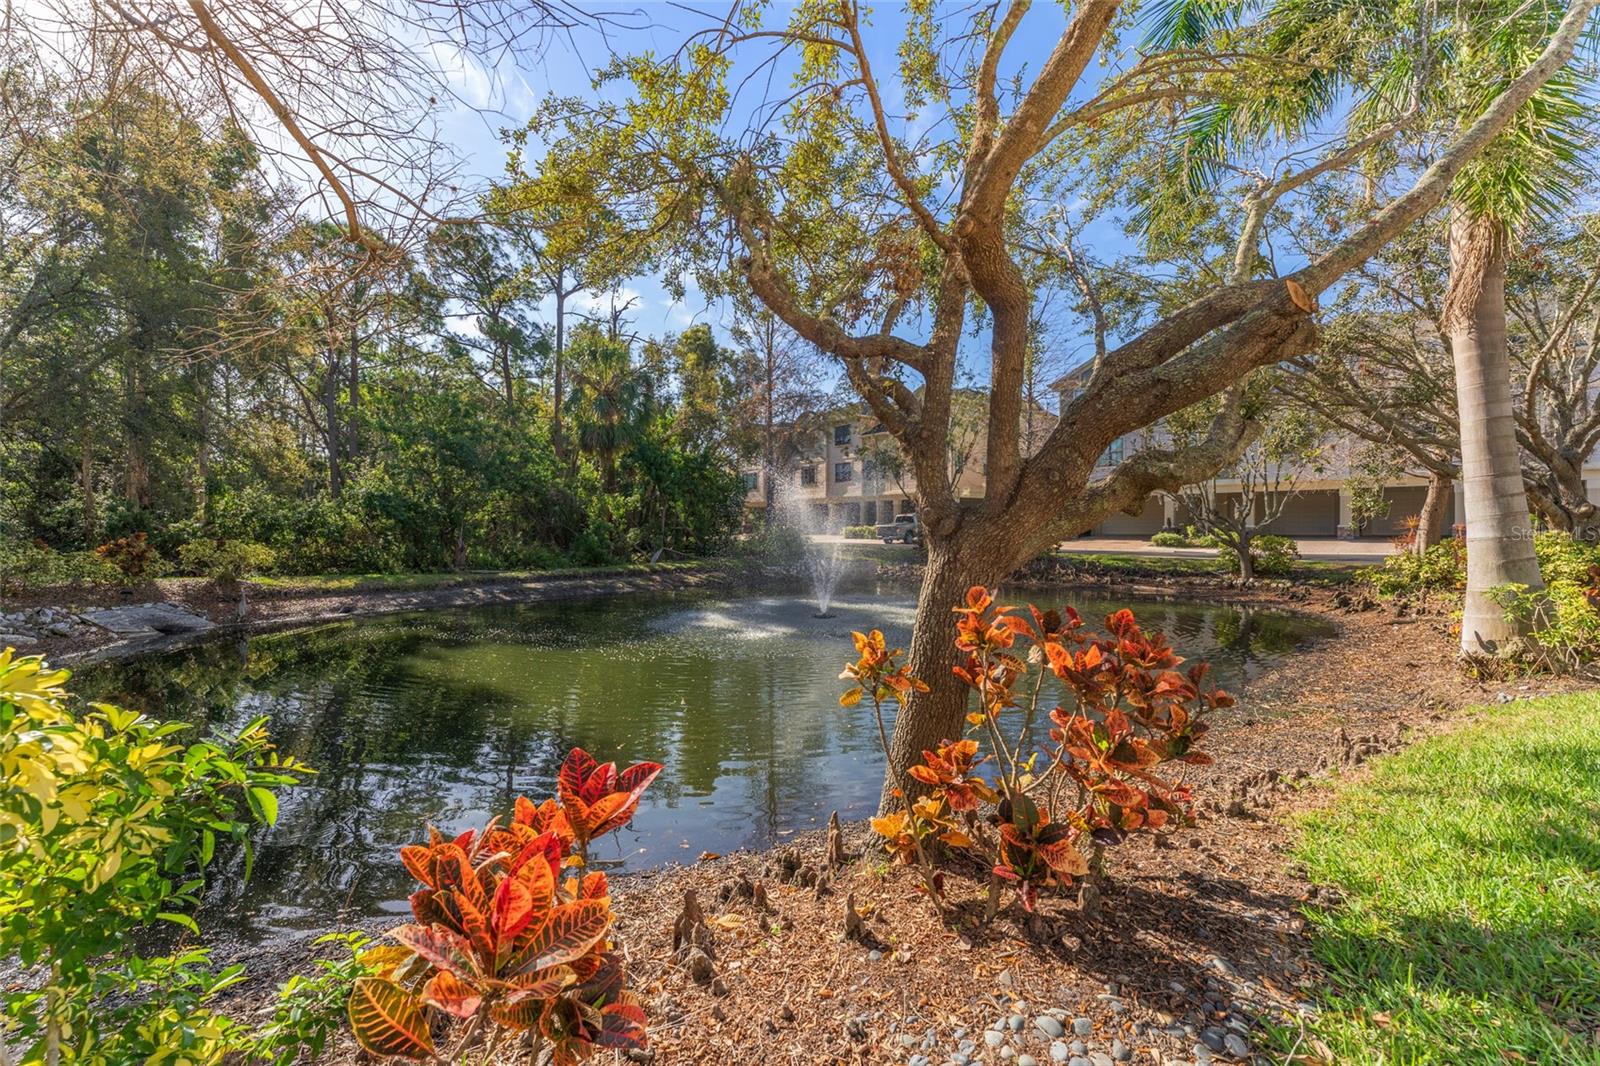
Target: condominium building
845 468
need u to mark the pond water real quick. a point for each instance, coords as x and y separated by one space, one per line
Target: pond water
444 717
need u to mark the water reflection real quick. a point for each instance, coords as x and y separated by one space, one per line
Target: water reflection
445 717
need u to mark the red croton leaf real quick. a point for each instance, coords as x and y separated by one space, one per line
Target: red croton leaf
442 948
569 932
452 995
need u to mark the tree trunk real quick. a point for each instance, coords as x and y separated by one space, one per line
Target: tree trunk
1499 537
1430 520
940 713
769 447
330 420
1247 562
458 558
86 475
561 348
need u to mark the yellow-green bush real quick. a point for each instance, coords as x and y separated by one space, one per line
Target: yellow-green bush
108 824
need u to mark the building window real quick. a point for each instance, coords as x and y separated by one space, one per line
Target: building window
841 434
871 516
1115 453
869 469
844 471
752 480
808 475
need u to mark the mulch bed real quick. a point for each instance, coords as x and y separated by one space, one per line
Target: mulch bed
1197 940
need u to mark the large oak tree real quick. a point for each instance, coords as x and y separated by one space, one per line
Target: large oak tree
894 223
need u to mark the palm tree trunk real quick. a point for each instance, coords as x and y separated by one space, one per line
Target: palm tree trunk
1499 536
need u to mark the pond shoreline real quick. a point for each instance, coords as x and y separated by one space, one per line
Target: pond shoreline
1199 929
273 609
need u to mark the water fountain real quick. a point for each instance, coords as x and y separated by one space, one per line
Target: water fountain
822 560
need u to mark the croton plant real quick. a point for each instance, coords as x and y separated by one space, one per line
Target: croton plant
512 932
1056 785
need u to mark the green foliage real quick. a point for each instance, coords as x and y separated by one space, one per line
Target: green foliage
109 825
860 532
1467 934
1565 615
24 566
1273 555
1170 539
1441 568
226 561
311 1008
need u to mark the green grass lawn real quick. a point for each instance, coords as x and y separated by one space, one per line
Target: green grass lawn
1470 867
1305 571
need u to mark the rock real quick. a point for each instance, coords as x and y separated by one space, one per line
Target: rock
1077 1060
1016 1023
1083 1026
856 1028
60 629
967 1046
1201 1053
148 619
1059 1052
16 640
1213 1037
917 1060
1078 1047
1099 1058
908 1040
1027 1060
1236 1045
961 1058
1007 1053
874 955
1121 1052
994 1037
1049 1027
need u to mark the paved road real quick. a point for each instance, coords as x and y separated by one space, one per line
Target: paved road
1321 549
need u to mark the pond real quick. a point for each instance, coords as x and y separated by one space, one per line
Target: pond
444 717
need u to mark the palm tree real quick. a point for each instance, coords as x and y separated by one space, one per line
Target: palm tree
1436 70
608 399
1524 174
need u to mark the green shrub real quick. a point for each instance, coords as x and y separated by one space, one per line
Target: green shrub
860 532
1442 568
107 828
1563 558
1168 538
29 566
311 1008
226 561
1274 556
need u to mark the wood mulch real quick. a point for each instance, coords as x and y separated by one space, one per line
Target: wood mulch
1197 937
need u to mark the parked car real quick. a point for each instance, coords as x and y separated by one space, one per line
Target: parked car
905 528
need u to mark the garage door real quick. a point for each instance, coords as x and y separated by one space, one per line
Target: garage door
1310 514
1404 503
1143 524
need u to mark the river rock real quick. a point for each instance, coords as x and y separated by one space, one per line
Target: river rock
1049 1027
148 619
